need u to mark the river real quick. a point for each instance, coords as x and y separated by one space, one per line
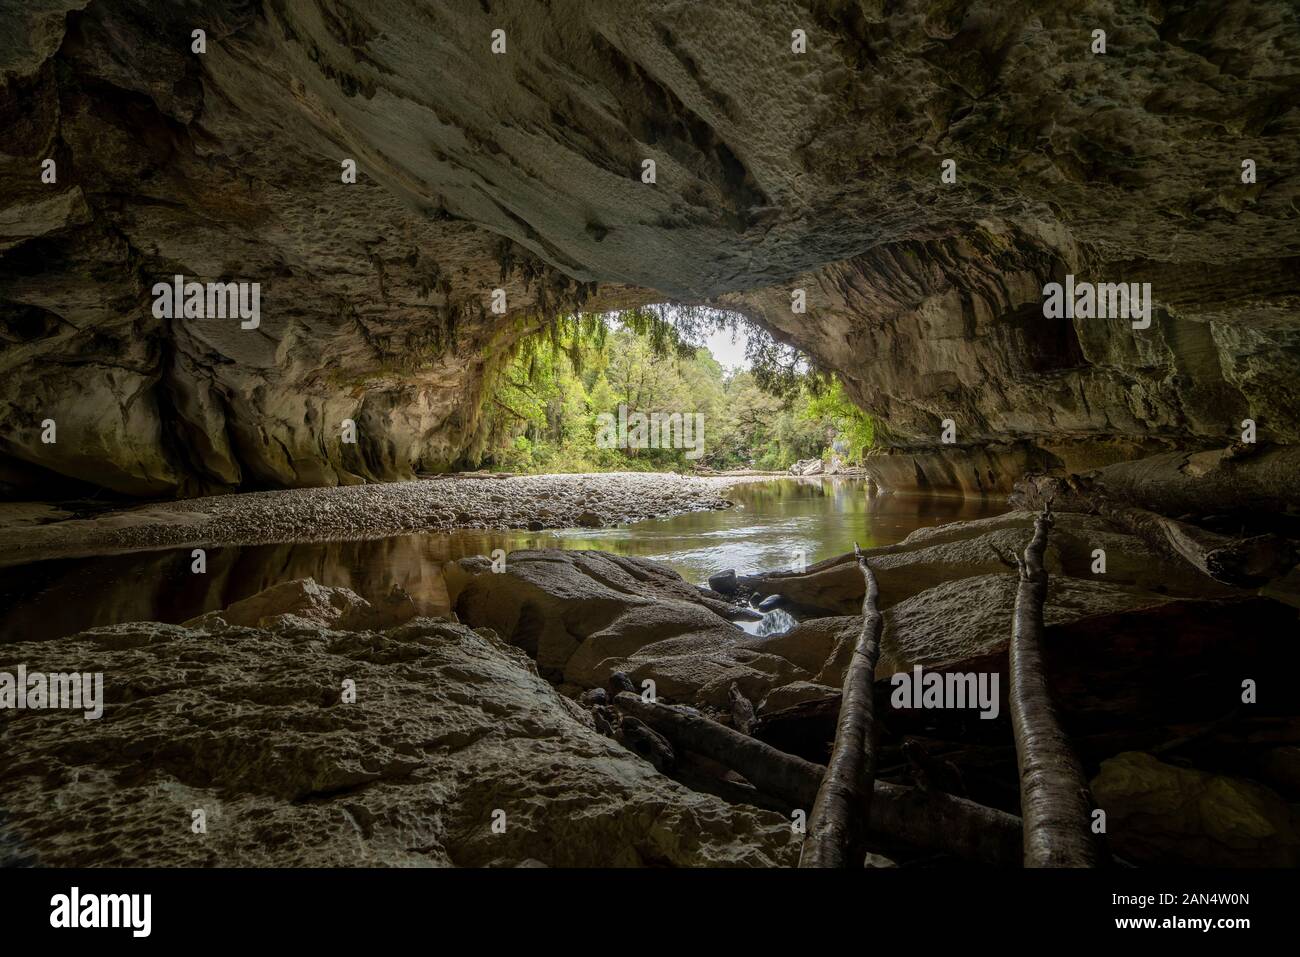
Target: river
773 525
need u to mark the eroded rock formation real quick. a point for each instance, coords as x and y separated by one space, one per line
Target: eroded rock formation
245 714
241 715
522 170
1146 663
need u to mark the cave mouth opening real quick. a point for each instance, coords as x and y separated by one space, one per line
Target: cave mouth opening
665 386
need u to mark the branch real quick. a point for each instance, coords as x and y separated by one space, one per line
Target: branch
501 405
844 799
1010 561
1241 562
1054 797
930 820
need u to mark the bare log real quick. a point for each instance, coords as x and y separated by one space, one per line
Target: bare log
1139 496
1245 562
939 821
838 820
1054 798
782 775
923 819
1238 478
638 737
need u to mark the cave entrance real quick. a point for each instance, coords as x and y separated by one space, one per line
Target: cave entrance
666 387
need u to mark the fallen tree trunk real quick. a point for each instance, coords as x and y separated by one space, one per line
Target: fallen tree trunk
1240 478
1245 562
1140 495
837 822
923 819
782 775
1055 802
944 822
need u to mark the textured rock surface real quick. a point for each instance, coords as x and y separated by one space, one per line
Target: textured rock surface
247 724
965 618
303 601
585 615
1160 814
522 171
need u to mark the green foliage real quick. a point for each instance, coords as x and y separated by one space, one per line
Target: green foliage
855 428
543 411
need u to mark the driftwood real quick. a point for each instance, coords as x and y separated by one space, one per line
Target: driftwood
934 820
1240 478
923 819
1139 496
837 822
782 775
1054 798
1245 562
645 741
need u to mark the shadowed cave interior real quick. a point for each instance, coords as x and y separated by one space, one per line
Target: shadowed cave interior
276 277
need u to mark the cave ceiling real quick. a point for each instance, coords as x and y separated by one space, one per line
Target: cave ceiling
524 170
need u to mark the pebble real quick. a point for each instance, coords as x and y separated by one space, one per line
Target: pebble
372 511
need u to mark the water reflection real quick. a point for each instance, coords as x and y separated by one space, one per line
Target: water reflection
771 524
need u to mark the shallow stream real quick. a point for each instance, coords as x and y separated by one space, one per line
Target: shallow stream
774 524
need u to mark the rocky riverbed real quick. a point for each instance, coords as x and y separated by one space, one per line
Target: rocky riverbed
340 513
312 725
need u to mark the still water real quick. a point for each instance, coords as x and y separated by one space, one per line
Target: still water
773 522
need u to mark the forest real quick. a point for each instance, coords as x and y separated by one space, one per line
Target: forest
545 409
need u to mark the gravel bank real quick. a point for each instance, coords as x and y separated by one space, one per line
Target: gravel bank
364 511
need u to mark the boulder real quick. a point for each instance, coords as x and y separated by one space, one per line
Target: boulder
724 582
972 616
1280 768
795 693
809 644
304 601
449 728
586 615
1159 814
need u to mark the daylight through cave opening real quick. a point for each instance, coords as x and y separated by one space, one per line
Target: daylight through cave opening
489 434
638 387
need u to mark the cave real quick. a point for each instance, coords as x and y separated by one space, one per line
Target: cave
310 311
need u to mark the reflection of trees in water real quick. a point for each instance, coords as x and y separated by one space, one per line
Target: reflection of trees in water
822 517
55 598
59 598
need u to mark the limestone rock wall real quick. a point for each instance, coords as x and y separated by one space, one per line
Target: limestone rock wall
522 170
